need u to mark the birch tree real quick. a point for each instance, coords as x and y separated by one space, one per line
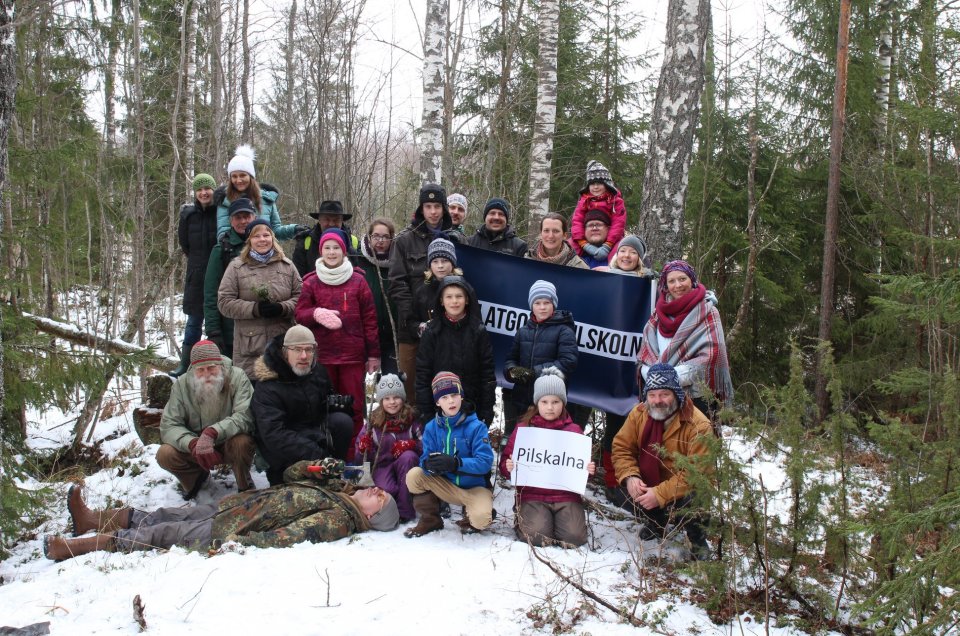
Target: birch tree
676 111
189 101
431 127
541 150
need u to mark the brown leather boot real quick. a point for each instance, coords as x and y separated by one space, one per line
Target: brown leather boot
84 520
427 506
60 549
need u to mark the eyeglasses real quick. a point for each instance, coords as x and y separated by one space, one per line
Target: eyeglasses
595 226
380 238
302 350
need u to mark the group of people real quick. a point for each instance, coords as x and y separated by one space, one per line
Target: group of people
289 344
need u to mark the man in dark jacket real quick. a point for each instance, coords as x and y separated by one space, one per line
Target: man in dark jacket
312 504
219 327
290 411
497 235
409 261
197 232
330 214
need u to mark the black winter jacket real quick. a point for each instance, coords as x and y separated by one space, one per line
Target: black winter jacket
462 347
539 345
408 262
197 233
506 242
307 250
289 411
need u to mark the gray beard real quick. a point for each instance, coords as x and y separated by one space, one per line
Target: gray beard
207 392
301 372
661 413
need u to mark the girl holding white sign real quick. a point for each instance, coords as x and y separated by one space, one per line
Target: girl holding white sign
546 516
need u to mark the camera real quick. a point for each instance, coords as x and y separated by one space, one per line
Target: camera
340 403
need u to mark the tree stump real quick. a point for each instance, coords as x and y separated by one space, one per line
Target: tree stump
146 419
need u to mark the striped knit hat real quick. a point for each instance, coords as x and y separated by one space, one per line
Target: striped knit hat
445 383
204 354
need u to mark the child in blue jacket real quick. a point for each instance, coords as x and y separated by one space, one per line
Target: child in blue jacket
455 463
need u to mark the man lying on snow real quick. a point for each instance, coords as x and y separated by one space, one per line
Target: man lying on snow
314 504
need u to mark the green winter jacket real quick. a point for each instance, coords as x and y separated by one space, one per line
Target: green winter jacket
214 322
183 422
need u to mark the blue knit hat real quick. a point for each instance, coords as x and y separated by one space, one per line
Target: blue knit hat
497 203
253 225
663 376
543 289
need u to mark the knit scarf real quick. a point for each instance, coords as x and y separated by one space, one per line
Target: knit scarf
396 425
380 260
262 258
334 276
559 259
670 313
651 439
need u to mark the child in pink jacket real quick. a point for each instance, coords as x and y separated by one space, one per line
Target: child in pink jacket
599 194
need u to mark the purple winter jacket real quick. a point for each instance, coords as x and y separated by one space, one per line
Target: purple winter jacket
381 456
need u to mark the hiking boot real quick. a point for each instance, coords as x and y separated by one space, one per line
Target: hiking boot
699 550
60 549
466 527
445 510
651 533
427 506
84 520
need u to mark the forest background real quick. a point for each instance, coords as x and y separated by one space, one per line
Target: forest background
109 108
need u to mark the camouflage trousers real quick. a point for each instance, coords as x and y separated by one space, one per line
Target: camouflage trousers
166 527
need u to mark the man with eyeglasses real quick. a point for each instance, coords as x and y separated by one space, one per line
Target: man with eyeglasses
207 422
293 416
596 227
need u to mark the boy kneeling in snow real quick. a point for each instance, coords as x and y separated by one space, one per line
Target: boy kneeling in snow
314 504
455 464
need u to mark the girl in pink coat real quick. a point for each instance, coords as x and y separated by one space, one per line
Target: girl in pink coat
602 196
337 305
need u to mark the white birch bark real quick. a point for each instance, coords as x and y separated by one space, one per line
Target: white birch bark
673 122
189 100
885 63
545 122
431 126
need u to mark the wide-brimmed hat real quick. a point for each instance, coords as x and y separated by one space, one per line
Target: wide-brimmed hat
334 208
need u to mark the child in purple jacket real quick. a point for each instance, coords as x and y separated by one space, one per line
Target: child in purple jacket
390 441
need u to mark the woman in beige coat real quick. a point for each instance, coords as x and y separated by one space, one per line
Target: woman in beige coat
259 290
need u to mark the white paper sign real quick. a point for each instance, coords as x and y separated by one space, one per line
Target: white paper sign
551 459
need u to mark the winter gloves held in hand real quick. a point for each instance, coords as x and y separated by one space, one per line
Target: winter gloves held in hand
267 309
520 375
441 463
403 445
329 318
203 450
599 252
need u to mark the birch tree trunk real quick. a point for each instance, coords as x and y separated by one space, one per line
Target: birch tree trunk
215 148
676 111
110 76
189 101
431 127
545 122
831 228
885 64
247 62
290 70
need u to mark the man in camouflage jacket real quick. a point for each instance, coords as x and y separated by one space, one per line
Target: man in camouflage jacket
314 504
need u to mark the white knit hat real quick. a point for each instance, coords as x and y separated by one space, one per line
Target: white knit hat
243 161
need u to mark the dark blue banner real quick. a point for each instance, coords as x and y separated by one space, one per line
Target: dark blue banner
610 311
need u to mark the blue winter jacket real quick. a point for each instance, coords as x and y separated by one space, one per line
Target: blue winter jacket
552 343
466 437
268 212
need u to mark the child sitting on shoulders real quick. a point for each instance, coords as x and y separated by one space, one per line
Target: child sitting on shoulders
390 441
546 516
602 196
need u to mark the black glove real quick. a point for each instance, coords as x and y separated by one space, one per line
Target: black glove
302 230
521 375
441 463
217 339
267 309
453 236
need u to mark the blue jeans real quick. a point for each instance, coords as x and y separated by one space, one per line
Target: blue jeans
194 330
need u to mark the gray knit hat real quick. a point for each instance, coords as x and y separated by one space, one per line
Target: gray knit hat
550 382
543 289
390 385
636 243
298 335
389 516
441 248
457 199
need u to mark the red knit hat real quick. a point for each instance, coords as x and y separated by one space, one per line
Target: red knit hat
446 383
204 354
